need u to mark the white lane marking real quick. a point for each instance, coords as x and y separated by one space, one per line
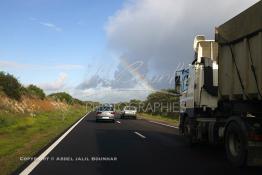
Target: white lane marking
140 135
118 122
30 168
164 124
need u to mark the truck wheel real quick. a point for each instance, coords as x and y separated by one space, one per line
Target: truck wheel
181 124
187 132
235 143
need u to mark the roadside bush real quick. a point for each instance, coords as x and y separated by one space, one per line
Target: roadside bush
164 103
62 96
35 91
10 86
77 101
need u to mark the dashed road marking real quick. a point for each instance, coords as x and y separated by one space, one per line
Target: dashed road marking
140 135
118 122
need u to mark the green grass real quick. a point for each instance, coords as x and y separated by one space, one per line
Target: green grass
24 135
159 118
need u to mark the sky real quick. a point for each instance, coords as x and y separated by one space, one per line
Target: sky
105 50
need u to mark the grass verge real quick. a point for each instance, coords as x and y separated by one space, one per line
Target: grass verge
23 135
159 118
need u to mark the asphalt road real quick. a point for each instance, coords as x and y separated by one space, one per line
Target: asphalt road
132 147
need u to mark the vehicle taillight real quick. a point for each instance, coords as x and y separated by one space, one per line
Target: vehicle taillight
98 113
113 113
255 137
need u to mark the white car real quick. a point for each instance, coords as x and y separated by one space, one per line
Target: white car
105 113
129 111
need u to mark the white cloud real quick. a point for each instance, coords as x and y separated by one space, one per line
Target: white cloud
68 66
56 85
13 65
5 64
51 25
110 95
93 82
47 24
161 33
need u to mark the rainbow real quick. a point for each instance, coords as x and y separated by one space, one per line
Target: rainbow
133 70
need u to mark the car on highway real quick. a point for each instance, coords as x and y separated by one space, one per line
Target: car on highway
129 111
105 113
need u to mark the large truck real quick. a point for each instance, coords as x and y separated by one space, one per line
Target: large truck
221 91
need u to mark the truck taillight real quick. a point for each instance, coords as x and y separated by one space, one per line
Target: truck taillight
255 136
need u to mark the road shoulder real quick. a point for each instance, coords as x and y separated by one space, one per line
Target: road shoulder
173 123
24 166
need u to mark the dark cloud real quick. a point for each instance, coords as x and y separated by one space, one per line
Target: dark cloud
161 33
94 81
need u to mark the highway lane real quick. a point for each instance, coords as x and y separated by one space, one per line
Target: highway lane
139 146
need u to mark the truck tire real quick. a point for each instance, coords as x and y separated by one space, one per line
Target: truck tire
188 133
181 124
235 143
213 137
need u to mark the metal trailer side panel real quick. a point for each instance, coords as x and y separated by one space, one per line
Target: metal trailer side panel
225 78
232 72
240 48
256 50
244 24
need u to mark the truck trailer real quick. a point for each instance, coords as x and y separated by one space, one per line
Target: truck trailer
221 91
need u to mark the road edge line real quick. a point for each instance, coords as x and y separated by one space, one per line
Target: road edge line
171 126
34 164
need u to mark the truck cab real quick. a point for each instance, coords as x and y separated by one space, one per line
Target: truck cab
199 81
205 116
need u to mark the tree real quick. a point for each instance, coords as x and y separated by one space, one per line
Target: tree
10 86
164 102
77 101
62 96
35 91
136 103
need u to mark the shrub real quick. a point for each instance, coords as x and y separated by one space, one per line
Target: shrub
35 91
10 86
164 102
62 96
77 101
